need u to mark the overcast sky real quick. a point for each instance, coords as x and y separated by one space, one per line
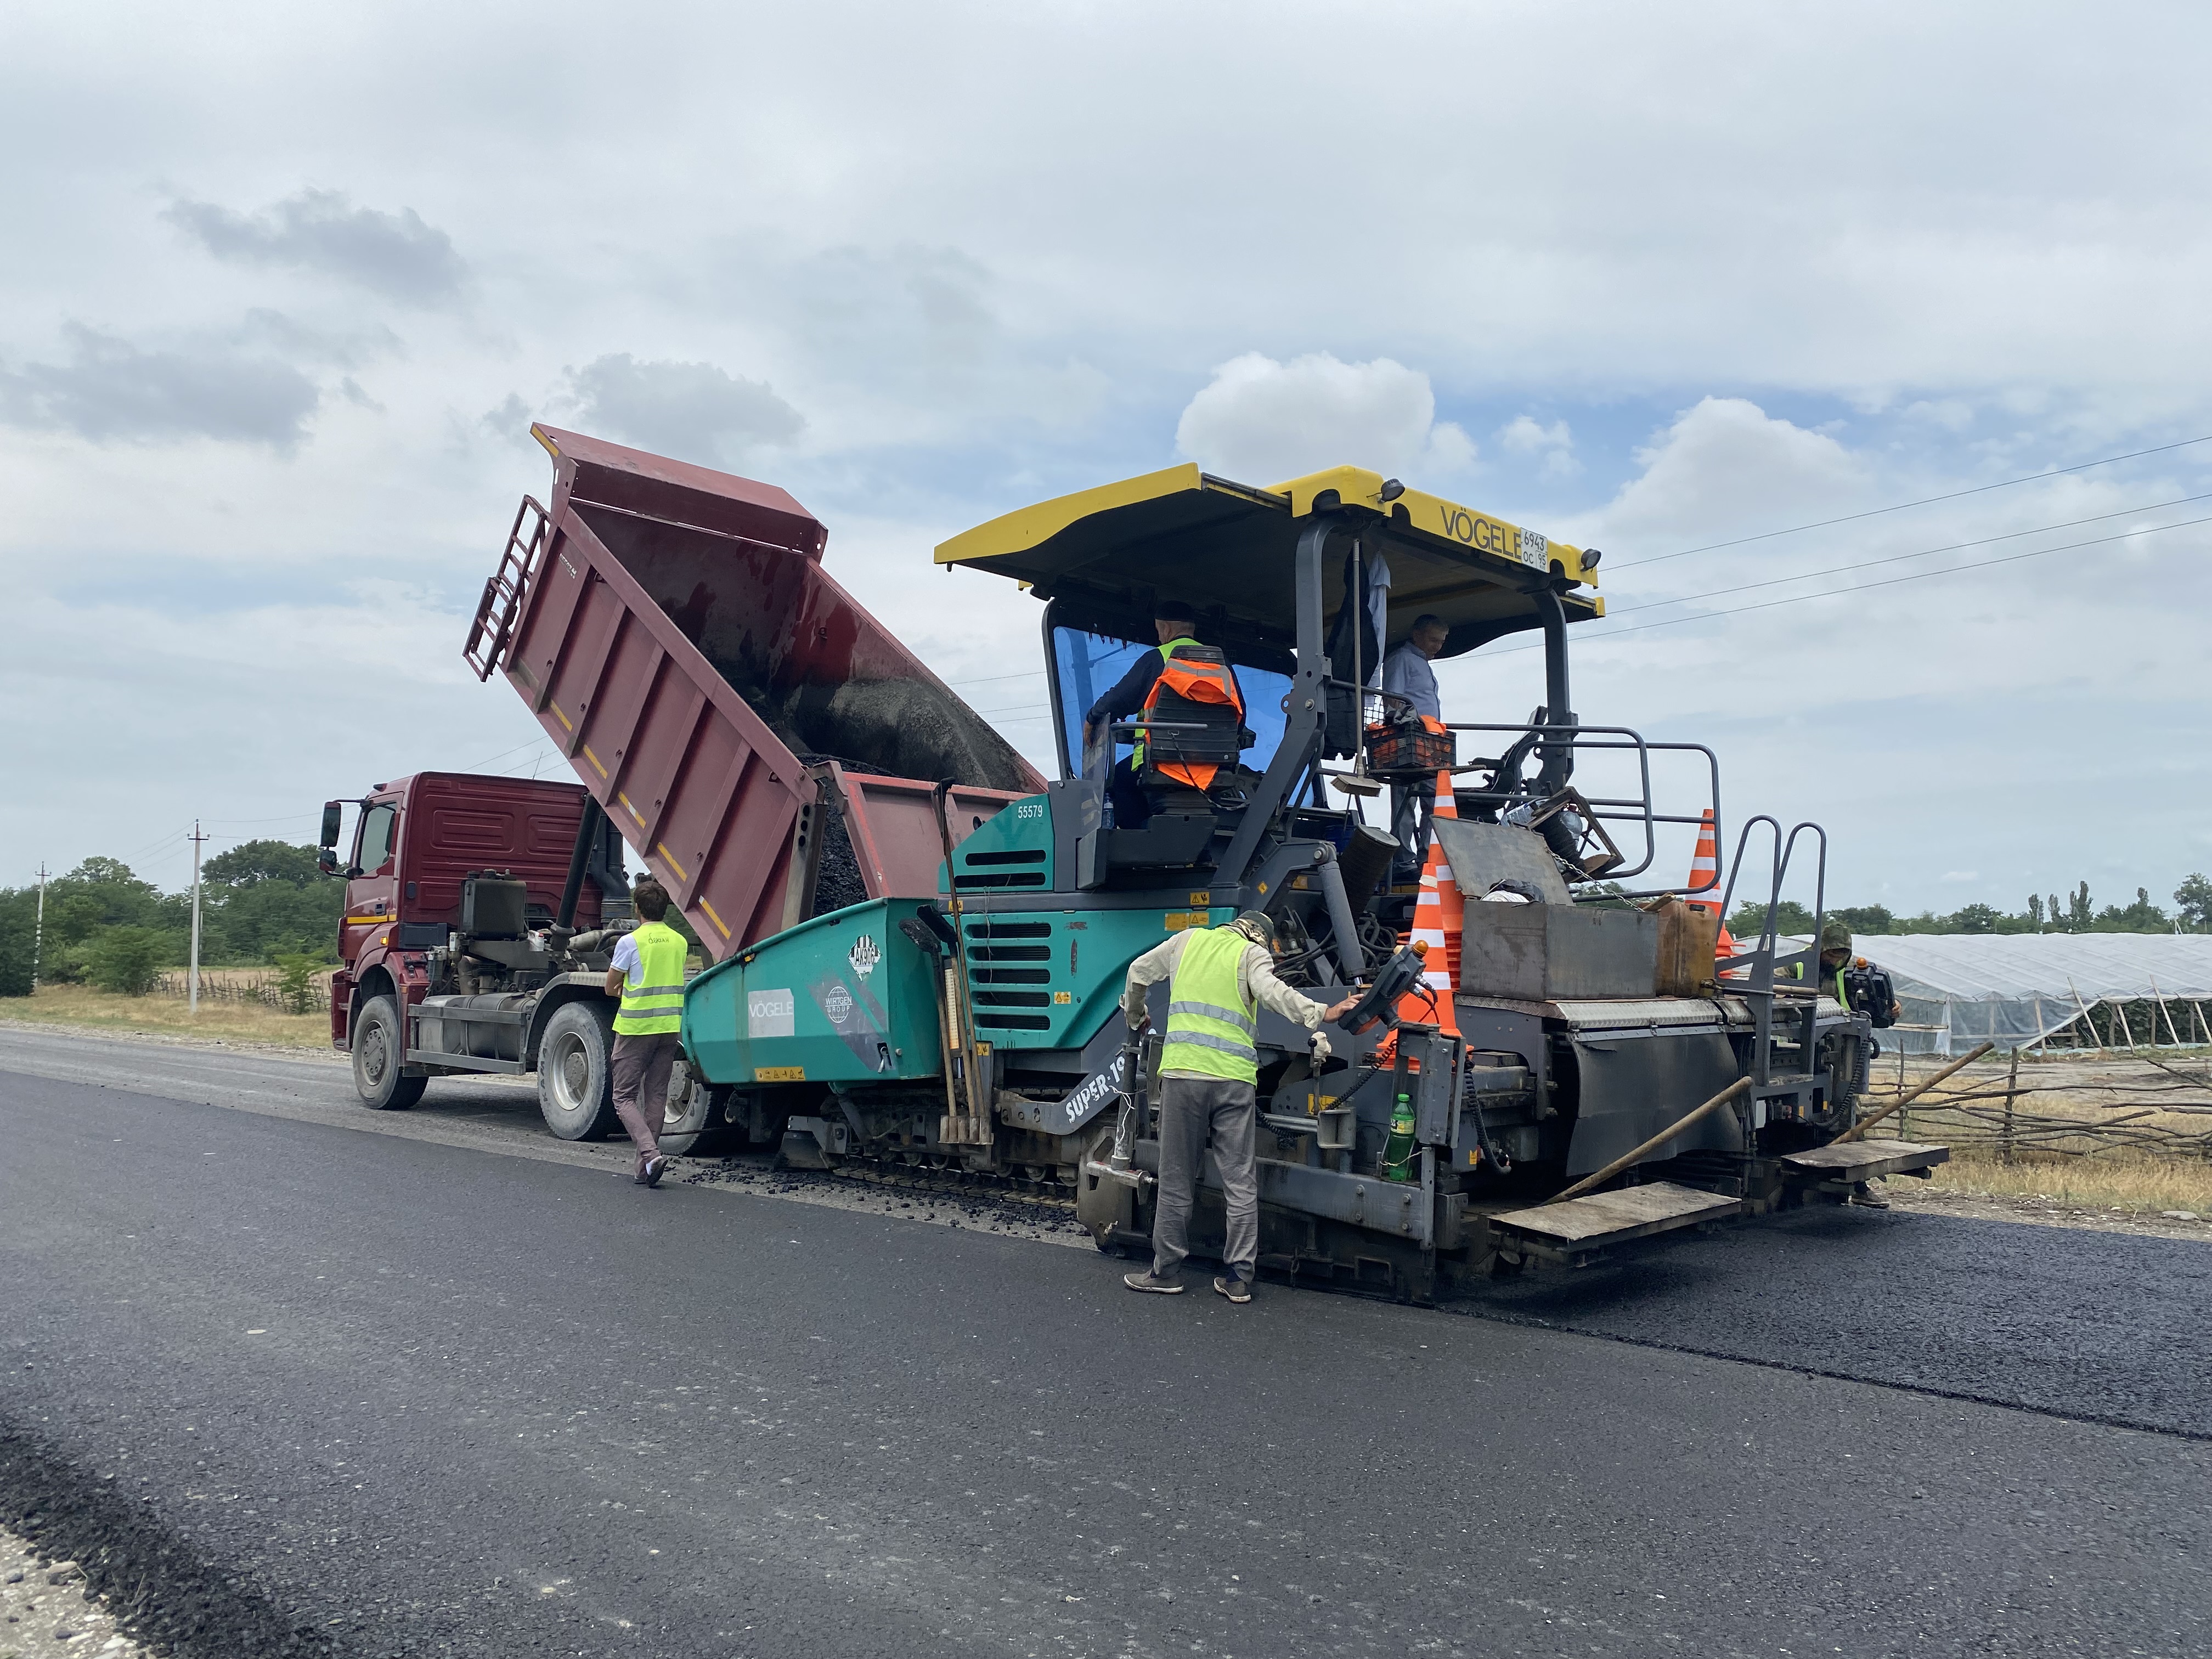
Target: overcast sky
285 286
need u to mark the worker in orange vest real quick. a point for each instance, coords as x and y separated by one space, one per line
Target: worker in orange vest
1138 690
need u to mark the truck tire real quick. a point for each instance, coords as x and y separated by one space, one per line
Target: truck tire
697 1127
575 1072
379 1057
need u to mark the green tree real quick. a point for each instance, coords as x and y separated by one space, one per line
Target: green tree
295 981
2140 917
1975 919
251 863
2193 899
2078 917
127 960
14 952
1790 917
2035 909
265 899
1866 918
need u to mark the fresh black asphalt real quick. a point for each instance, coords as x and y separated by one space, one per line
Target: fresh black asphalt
369 1395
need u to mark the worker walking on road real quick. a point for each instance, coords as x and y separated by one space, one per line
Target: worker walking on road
648 974
1217 978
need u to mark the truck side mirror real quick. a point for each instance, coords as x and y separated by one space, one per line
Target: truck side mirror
332 815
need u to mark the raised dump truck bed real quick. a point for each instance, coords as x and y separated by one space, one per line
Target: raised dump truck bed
673 631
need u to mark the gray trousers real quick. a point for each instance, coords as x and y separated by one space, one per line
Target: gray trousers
1190 1108
642 1068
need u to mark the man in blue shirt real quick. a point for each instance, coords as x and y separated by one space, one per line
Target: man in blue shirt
1406 673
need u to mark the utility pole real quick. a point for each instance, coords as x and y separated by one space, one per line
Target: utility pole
192 981
39 932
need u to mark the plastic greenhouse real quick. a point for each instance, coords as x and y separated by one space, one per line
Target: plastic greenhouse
2083 991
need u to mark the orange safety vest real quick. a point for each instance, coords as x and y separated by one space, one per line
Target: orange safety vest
1201 682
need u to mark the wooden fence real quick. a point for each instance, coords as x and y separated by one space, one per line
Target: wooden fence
2153 1108
246 986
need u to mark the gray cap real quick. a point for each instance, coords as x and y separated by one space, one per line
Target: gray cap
1256 925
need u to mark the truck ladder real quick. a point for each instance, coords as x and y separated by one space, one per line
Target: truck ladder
503 589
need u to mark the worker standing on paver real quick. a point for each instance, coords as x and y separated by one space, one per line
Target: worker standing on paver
1216 978
1835 965
648 975
1407 674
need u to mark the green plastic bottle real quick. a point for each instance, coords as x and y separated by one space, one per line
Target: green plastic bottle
1398 1151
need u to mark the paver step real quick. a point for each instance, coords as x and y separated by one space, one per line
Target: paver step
1864 1160
1603 1219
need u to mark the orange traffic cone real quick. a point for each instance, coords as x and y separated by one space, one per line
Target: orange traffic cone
1432 1003
1706 872
1449 896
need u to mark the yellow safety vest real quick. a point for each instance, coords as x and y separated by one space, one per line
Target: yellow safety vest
1210 1027
655 1003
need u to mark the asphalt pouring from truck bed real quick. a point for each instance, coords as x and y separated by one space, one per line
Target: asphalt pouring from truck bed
398 1395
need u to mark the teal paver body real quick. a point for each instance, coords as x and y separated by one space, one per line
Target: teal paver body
843 997
849 997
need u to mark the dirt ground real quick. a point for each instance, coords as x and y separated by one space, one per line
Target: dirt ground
49 1613
79 1007
2163 1106
1931 1198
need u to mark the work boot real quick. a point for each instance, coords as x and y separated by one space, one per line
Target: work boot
1238 1290
1869 1196
1147 1281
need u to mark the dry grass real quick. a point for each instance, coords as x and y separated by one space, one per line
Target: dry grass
104 1011
2111 1096
2107 1181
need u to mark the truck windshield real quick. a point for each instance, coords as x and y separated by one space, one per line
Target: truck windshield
1088 664
375 838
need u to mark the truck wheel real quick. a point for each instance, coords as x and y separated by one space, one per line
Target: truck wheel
697 1127
575 1073
380 1051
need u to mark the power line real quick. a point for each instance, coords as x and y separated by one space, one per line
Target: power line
503 755
1925 553
1889 581
1926 501
992 679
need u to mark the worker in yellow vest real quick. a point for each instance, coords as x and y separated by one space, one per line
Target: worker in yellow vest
648 975
1218 980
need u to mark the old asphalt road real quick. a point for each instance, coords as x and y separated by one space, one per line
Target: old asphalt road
297 1387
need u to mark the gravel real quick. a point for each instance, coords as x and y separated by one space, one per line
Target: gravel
92 1567
46 1608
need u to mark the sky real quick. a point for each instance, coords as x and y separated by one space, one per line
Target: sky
286 285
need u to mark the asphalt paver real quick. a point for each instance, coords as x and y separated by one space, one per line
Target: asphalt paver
410 1397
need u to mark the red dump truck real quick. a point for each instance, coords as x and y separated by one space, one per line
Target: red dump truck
769 750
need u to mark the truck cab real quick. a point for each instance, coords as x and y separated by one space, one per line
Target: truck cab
462 886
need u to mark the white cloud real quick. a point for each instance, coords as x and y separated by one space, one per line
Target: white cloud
1728 466
913 235
1260 422
394 254
1553 445
693 411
